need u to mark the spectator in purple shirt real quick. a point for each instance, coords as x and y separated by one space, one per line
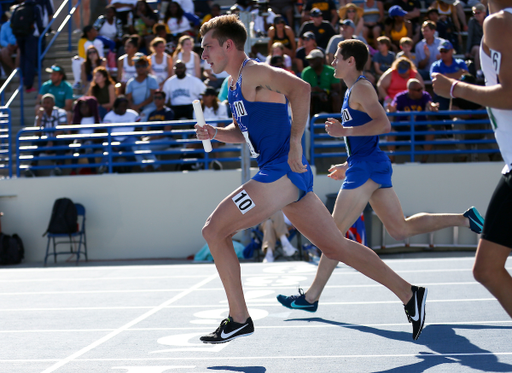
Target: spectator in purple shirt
414 99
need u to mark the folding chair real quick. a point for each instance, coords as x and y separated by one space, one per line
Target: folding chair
77 238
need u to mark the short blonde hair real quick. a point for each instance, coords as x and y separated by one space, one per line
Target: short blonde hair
406 41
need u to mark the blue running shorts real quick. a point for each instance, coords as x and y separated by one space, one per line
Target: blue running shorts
359 172
274 171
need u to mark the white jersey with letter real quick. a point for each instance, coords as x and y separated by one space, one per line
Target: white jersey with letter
501 120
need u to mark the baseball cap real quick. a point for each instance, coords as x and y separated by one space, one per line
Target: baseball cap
348 22
140 57
396 11
315 53
403 67
445 45
309 35
315 12
56 68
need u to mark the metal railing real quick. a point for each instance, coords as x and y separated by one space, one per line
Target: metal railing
461 136
104 149
67 20
6 120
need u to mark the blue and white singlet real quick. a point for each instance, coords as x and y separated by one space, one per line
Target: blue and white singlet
266 127
365 159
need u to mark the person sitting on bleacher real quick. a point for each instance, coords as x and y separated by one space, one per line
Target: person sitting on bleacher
449 66
274 228
281 33
125 65
103 88
456 22
176 21
109 25
161 62
413 9
48 116
141 21
160 142
185 53
397 27
308 41
327 8
181 90
263 20
60 88
140 88
278 49
475 34
92 61
89 38
395 79
123 8
427 49
354 13
322 29
406 46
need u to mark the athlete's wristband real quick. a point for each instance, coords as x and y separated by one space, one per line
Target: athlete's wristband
215 133
455 82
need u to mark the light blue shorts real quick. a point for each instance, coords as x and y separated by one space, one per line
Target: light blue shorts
359 172
274 171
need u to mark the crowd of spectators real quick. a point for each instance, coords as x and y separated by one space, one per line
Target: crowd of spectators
141 61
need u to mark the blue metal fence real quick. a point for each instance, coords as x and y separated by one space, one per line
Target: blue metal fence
448 132
64 146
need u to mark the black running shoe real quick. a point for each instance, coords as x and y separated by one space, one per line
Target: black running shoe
229 330
415 310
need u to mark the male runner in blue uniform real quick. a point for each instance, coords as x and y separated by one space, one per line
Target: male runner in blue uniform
259 95
367 175
496 55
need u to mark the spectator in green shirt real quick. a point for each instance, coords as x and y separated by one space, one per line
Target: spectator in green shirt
325 88
60 88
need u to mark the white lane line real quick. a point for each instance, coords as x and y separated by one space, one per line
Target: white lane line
73 292
252 304
245 358
88 279
270 327
128 325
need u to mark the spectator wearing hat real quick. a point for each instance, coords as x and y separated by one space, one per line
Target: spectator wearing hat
383 59
354 13
394 80
281 33
413 9
60 89
427 51
347 31
325 88
327 10
323 30
9 47
475 34
373 20
28 49
451 67
284 7
397 27
308 41
181 90
141 88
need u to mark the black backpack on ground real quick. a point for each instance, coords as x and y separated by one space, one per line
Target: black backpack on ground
64 218
22 22
11 249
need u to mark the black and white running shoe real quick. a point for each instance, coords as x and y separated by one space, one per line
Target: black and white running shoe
229 330
415 310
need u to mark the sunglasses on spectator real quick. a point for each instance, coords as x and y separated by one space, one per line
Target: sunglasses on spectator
140 65
416 89
351 11
444 50
477 12
158 97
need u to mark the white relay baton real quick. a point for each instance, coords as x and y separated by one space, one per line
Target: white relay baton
207 145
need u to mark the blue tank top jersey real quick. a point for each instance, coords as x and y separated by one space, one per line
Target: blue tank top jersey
266 128
359 147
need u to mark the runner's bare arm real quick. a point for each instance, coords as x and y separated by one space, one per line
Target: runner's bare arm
362 98
230 134
497 96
